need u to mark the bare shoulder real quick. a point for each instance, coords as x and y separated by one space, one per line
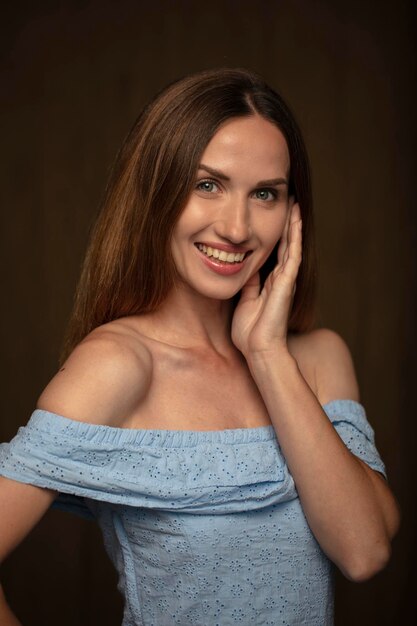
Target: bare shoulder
104 379
326 357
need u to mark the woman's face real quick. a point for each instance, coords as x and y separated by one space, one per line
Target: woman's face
237 210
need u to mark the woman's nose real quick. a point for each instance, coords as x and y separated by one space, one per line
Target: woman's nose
234 221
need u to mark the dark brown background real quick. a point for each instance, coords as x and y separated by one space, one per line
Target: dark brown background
74 77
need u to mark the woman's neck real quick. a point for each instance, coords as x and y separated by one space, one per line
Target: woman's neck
188 319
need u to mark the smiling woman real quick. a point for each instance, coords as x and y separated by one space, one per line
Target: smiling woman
213 433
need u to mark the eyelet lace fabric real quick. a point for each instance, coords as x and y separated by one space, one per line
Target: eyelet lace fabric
205 528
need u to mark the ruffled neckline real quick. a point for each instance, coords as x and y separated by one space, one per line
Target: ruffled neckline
65 426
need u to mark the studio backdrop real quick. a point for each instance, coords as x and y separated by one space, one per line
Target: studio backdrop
75 75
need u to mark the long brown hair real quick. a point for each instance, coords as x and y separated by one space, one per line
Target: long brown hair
128 268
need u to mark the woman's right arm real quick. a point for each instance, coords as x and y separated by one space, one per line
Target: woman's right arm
21 508
102 382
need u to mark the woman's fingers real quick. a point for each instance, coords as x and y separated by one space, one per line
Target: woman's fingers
292 254
293 215
284 237
292 234
290 250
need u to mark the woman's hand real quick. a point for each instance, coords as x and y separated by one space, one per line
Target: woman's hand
260 320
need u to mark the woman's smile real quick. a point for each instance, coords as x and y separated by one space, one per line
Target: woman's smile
221 261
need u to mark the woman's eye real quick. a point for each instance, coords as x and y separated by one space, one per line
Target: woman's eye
262 194
206 185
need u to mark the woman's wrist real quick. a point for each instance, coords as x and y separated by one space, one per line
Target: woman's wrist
276 357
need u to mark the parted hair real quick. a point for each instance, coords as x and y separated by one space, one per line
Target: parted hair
128 268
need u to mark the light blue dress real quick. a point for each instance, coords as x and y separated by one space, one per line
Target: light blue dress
205 528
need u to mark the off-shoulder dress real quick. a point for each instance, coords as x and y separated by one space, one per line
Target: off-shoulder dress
205 528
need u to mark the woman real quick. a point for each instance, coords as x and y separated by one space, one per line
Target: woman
215 435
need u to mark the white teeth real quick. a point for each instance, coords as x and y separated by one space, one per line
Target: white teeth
222 255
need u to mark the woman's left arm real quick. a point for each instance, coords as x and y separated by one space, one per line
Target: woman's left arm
349 507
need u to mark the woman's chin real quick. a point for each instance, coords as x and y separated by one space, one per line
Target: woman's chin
211 292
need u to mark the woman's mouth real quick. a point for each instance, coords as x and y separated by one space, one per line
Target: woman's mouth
222 261
221 255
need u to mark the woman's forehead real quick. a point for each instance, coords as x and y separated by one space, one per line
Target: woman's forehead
249 143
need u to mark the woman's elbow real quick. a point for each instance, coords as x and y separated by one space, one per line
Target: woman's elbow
362 569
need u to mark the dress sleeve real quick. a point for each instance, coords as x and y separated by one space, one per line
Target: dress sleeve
349 419
39 456
200 472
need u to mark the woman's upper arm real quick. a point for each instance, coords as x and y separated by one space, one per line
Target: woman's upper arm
102 382
21 508
334 369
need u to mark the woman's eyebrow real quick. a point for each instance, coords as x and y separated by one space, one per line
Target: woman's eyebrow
222 176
